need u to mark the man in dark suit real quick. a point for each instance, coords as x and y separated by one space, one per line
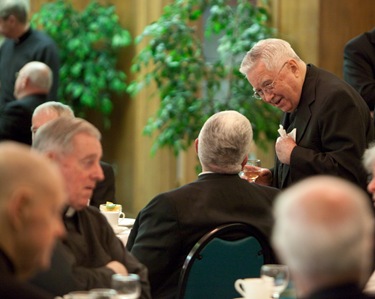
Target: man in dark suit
21 45
324 232
32 85
169 226
359 65
105 189
332 122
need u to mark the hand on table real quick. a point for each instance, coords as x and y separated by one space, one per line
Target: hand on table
117 267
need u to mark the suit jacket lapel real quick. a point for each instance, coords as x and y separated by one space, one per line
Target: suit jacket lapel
307 99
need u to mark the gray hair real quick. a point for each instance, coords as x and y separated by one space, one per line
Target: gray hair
368 159
224 141
39 74
60 109
57 135
324 227
272 52
18 8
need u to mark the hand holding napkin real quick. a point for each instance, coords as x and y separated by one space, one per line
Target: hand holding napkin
283 133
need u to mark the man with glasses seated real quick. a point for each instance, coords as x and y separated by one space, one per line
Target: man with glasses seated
333 125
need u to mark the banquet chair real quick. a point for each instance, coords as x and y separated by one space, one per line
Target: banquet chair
219 258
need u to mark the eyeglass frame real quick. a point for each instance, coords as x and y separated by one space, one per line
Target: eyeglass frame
268 88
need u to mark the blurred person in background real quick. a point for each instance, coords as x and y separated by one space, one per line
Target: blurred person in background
359 66
23 44
32 196
324 233
32 85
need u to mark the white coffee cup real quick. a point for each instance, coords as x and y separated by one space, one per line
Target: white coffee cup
113 216
116 207
252 288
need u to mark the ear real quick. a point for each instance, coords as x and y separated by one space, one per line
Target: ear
196 145
18 208
52 156
294 67
244 162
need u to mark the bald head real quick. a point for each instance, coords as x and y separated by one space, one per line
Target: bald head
49 111
324 230
33 78
31 199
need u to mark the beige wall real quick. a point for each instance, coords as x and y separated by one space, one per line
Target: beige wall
317 29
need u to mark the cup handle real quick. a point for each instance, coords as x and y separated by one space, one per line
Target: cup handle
121 215
238 287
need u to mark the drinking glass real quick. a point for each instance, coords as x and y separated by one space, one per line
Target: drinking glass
127 286
250 172
278 275
102 294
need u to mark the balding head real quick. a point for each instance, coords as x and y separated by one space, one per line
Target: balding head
34 78
49 111
324 231
31 198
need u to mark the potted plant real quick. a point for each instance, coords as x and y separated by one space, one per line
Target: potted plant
190 86
89 42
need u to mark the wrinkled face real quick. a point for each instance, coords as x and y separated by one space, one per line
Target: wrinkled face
42 226
40 119
284 92
81 169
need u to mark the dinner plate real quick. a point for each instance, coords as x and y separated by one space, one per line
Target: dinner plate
119 229
126 222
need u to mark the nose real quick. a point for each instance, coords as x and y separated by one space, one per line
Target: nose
98 174
268 96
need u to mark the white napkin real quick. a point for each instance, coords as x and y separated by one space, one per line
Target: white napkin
283 133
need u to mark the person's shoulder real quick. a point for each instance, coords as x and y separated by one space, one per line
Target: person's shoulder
41 36
272 191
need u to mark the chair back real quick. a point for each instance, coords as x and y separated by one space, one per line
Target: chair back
219 258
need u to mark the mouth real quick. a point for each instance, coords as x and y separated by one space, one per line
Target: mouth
277 102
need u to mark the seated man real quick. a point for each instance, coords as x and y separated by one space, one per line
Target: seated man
32 85
105 189
169 226
32 197
324 232
95 251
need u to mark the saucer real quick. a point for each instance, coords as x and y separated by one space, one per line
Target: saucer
119 229
126 222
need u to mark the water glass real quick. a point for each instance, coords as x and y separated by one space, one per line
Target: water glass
102 294
127 286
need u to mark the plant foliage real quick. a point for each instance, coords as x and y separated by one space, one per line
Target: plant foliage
88 42
192 86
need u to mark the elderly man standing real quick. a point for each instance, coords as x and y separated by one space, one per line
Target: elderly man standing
170 225
23 44
333 124
323 231
32 197
95 251
32 85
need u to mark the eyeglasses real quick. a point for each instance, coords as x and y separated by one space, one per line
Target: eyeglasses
268 88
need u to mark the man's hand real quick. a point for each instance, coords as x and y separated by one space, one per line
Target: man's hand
284 147
117 267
